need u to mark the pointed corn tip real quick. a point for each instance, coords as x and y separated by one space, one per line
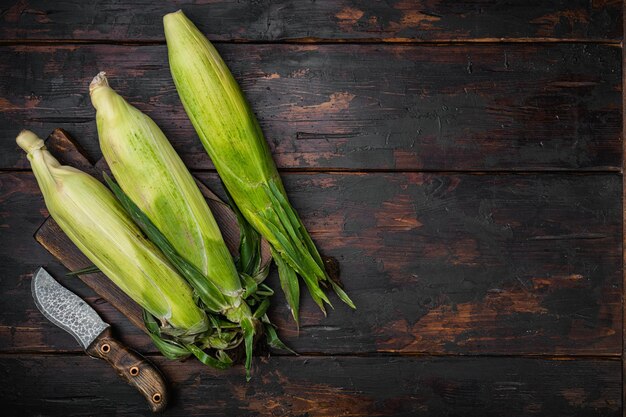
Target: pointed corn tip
29 141
172 15
99 80
176 26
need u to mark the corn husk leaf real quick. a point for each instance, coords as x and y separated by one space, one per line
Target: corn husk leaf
232 137
168 348
148 169
97 224
289 285
250 257
84 271
273 340
223 362
210 295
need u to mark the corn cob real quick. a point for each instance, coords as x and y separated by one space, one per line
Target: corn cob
233 139
152 174
153 177
94 220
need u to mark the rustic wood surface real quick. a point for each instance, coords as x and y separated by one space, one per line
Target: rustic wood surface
400 107
462 160
325 387
449 263
271 20
51 237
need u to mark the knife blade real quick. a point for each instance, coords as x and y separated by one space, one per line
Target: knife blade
72 314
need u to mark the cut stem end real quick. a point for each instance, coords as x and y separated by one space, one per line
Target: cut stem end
99 80
29 141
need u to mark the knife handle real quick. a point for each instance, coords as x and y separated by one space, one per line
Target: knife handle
133 367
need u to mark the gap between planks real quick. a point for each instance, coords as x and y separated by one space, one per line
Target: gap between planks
348 171
390 355
323 41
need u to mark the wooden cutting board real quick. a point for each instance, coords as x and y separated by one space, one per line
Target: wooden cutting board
51 237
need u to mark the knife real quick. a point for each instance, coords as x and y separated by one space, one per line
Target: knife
71 313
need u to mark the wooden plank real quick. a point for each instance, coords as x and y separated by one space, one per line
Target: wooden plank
68 151
623 234
466 263
357 107
396 20
323 387
436 263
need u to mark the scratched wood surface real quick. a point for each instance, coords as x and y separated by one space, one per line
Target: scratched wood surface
271 20
447 263
327 387
462 160
400 107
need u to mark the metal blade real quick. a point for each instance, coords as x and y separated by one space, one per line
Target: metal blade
65 309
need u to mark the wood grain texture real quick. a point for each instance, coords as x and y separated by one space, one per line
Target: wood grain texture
324 387
396 20
494 265
355 107
68 151
135 369
436 263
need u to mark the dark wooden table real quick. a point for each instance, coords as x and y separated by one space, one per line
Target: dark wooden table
462 160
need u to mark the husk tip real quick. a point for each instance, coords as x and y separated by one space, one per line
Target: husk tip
99 80
29 141
171 15
174 23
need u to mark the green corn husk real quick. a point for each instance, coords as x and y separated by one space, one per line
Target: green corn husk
151 173
233 139
95 221
243 325
109 232
154 182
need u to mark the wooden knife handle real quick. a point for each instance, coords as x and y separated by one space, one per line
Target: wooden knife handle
133 367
